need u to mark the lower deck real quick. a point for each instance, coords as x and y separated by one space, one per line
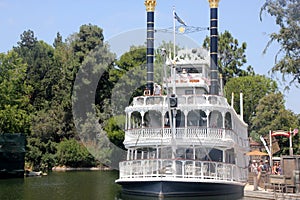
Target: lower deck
182 169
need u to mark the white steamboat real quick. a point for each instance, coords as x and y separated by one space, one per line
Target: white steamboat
203 153
187 141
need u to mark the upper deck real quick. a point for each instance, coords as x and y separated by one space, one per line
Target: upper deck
206 117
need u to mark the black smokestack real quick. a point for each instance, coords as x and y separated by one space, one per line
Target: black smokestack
214 87
150 7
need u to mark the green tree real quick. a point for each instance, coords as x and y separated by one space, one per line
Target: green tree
58 40
41 73
73 154
14 94
253 88
272 115
40 155
89 37
115 130
231 56
129 78
287 15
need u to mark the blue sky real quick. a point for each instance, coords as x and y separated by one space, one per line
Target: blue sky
47 17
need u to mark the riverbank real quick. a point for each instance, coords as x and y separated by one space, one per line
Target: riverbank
64 168
268 194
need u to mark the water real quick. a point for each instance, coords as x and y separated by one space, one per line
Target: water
83 185
62 186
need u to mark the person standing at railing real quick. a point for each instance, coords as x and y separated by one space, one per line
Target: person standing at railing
157 90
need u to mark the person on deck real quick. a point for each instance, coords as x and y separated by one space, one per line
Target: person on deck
157 90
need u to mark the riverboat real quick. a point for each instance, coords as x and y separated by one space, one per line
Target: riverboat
187 140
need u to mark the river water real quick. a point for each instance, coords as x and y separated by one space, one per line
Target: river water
80 185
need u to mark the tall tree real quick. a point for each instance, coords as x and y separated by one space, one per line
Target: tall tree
287 15
58 40
40 72
272 115
231 56
253 88
89 37
14 94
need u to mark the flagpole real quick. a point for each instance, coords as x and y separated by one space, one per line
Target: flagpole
174 34
174 52
291 143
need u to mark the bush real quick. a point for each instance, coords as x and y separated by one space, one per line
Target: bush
73 154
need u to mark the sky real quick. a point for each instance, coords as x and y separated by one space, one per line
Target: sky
115 17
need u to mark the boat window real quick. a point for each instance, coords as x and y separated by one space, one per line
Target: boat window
166 120
229 156
216 155
180 119
166 153
195 70
196 118
228 122
153 119
215 119
135 120
201 153
180 153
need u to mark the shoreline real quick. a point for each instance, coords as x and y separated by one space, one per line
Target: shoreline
64 169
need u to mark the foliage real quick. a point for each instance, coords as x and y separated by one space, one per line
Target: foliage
231 56
14 94
115 130
89 37
253 88
73 154
287 15
40 155
272 115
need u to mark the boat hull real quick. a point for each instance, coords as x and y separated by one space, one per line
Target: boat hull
177 188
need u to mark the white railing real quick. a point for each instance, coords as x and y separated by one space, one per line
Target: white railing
182 100
188 133
170 168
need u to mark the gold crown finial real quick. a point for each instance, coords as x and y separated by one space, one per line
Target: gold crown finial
213 3
150 5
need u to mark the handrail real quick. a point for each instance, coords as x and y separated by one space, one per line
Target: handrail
185 100
182 169
185 133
